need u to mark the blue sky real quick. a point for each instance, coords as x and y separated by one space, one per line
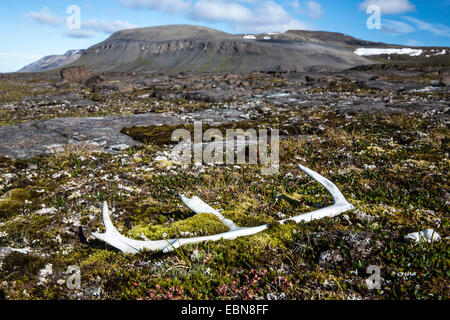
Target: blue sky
32 29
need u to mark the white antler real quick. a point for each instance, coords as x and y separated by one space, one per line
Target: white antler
117 240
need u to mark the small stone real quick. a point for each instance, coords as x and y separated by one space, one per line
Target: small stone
195 256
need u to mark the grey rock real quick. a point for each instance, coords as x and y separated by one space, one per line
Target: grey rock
29 139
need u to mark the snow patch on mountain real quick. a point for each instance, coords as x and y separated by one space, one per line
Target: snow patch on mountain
379 51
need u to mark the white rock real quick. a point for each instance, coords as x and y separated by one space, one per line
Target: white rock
195 255
428 235
46 211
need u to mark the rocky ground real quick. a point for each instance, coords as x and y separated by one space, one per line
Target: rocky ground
379 132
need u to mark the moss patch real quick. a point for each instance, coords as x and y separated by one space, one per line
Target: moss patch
20 263
199 225
162 135
246 212
13 200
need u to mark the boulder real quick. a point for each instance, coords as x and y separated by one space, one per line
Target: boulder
96 81
75 74
445 78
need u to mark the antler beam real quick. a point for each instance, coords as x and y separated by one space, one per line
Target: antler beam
127 245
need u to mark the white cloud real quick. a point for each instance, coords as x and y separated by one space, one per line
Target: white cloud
265 17
294 4
311 8
315 10
396 27
389 6
292 24
106 26
78 33
169 6
241 15
88 28
437 29
45 16
213 11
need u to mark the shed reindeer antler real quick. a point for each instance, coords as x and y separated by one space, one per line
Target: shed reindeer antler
117 240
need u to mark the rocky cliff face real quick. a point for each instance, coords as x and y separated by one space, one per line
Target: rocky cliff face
181 48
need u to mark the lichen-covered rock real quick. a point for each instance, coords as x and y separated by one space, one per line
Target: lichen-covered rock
330 258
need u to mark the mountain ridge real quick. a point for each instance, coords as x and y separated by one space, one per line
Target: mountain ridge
180 48
184 48
52 61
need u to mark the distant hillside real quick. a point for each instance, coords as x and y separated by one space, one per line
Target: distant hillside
53 62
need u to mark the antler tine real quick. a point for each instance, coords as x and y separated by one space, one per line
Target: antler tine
337 195
340 203
198 206
117 240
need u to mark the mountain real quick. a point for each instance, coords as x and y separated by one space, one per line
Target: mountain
53 62
178 48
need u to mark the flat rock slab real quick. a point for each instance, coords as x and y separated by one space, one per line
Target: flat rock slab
29 139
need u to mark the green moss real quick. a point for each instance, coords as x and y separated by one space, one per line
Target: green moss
159 135
100 255
13 200
23 264
245 212
294 199
198 225
162 135
278 236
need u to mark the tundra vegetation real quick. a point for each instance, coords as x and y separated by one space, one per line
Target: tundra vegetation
392 165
